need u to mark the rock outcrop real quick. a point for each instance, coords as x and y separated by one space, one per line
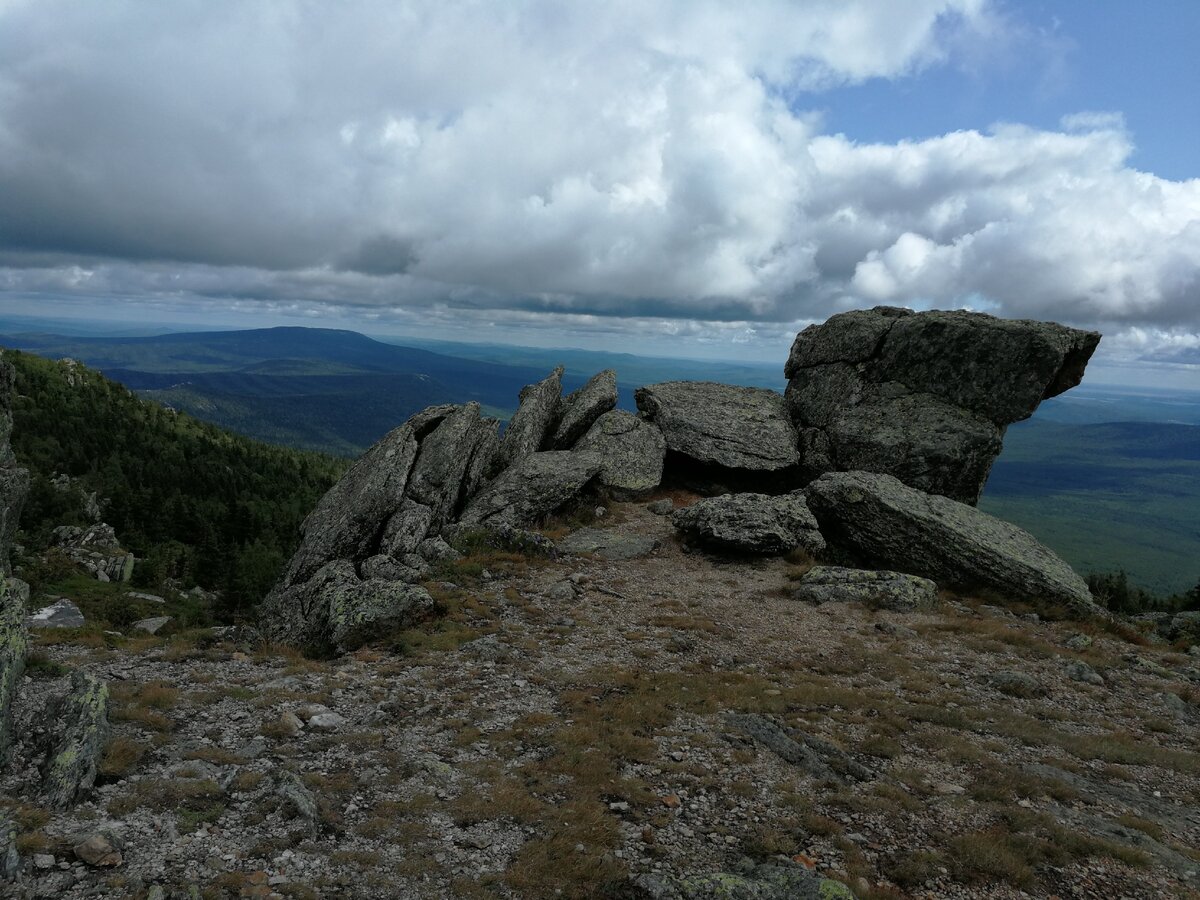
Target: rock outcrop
721 436
583 407
750 524
894 591
70 767
631 452
924 396
882 522
96 550
533 421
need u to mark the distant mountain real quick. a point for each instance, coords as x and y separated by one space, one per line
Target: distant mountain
315 388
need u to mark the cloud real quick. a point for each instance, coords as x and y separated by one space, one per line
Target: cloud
632 162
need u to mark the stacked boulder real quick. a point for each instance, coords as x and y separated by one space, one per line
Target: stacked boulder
379 530
924 397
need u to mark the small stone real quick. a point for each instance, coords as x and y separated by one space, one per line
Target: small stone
619 806
43 861
671 801
661 507
326 721
949 789
99 849
290 724
151 625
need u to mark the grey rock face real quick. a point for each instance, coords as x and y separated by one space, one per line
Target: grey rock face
70 768
631 452
14 645
361 612
924 396
751 523
530 425
533 488
298 614
606 543
348 518
406 528
737 435
888 524
893 591
438 478
583 407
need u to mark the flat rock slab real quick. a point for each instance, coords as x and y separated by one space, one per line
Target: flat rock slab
750 524
893 591
885 523
741 429
607 543
60 614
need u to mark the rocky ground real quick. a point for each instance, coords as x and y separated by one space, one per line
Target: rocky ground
571 725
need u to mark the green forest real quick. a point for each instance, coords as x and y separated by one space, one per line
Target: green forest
192 501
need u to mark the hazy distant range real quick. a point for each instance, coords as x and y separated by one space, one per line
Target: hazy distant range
1108 477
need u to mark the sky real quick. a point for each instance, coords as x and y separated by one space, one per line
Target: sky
686 178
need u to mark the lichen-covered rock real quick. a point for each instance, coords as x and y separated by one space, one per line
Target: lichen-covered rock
631 452
14 645
438 479
348 519
766 881
499 535
298 614
406 528
82 719
893 591
359 613
608 543
533 488
583 407
10 859
388 568
721 434
96 550
750 523
885 523
924 396
531 424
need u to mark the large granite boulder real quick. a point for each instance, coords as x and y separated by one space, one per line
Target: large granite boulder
750 524
533 421
348 519
439 477
631 452
882 522
583 407
297 613
924 396
359 613
533 488
719 435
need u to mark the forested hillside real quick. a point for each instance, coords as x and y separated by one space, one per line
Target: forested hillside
191 500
